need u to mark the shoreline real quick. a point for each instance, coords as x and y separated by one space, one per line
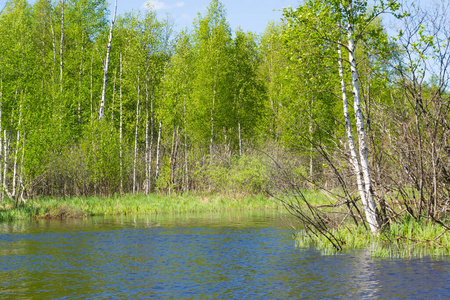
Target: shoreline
83 207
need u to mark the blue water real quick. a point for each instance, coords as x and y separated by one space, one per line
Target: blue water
223 256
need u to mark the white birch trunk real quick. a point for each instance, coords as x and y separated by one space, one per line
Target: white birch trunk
240 140
53 46
147 141
105 70
174 158
15 165
185 147
211 141
371 210
113 96
212 114
120 130
172 151
311 148
79 83
157 149
350 140
5 162
136 140
1 139
91 90
21 187
150 151
61 49
15 155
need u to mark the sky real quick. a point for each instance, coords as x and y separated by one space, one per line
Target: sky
250 15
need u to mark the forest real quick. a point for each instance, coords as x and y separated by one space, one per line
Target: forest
97 106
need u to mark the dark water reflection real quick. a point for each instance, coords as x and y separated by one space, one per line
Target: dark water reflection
240 256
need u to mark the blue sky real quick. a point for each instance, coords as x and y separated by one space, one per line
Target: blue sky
250 15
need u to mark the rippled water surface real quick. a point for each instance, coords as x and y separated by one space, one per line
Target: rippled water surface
238 255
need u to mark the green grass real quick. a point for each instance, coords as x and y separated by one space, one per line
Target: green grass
130 204
409 238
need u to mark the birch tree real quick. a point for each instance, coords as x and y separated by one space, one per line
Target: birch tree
334 23
212 45
177 84
248 88
106 65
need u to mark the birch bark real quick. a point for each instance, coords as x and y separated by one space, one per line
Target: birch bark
136 140
371 209
16 153
61 50
120 129
351 144
1 140
147 141
157 149
185 146
105 70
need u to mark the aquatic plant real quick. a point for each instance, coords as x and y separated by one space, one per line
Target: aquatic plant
409 238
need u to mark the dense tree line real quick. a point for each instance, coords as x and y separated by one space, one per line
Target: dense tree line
92 106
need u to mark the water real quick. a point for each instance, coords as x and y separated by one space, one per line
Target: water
240 256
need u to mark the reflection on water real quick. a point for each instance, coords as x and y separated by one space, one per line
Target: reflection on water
239 255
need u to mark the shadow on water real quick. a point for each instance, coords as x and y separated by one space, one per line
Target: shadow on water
232 255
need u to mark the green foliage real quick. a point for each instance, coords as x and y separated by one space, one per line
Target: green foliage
217 94
163 182
249 174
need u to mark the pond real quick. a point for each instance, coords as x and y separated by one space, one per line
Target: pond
245 255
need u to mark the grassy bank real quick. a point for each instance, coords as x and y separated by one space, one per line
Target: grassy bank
409 238
130 204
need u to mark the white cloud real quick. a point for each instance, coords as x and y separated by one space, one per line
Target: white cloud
159 5
155 4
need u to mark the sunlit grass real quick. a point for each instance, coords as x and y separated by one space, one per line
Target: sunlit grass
131 204
409 238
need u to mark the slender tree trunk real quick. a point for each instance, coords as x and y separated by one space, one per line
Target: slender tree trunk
351 144
421 164
157 149
105 70
172 151
80 83
311 149
120 130
174 157
1 139
91 90
240 140
16 154
147 140
61 50
185 147
174 145
150 151
21 187
136 140
211 141
5 162
371 210
53 46
113 96
15 166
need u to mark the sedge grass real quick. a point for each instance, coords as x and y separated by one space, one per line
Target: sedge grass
131 204
407 239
